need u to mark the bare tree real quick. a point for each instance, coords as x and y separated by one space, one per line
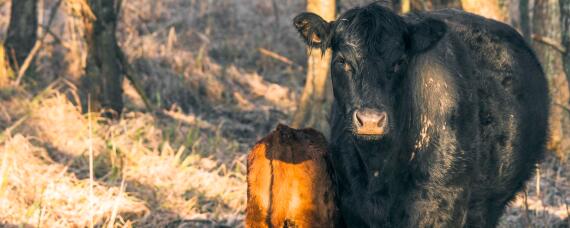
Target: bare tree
102 83
316 100
425 5
547 37
524 17
22 31
565 13
494 9
5 70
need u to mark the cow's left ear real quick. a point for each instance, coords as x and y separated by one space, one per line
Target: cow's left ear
425 34
314 30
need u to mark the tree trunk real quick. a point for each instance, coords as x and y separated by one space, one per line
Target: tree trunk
547 35
420 5
316 100
441 4
5 70
524 15
493 9
405 6
423 5
22 31
565 13
102 83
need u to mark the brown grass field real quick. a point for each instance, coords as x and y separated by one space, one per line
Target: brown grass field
205 64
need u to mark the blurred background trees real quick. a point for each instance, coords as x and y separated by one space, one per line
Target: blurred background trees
316 99
20 39
101 86
547 43
22 31
219 75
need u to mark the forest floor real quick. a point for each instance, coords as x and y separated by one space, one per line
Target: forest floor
203 64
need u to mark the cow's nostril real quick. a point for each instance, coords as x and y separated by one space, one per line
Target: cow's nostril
382 119
358 119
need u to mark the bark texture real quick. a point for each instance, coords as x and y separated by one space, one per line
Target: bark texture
22 31
423 5
316 100
102 82
493 9
546 35
565 13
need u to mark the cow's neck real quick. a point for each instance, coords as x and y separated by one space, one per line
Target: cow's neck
380 161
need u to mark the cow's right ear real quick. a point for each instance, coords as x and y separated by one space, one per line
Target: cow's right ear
425 34
314 30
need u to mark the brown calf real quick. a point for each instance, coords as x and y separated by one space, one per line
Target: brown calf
288 182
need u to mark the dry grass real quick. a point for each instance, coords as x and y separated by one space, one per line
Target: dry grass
199 62
45 169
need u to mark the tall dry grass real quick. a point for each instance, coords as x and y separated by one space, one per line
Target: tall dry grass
199 61
45 171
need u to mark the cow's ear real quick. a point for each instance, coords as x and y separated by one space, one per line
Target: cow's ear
314 30
425 34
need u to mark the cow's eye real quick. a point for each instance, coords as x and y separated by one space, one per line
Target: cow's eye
341 64
339 61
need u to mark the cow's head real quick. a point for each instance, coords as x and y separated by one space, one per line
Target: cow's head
371 47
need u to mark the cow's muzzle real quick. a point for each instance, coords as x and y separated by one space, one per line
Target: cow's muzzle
370 122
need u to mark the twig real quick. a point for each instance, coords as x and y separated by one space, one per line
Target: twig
566 108
116 204
3 171
550 42
19 122
276 56
54 36
537 181
37 45
567 213
129 73
89 114
527 217
190 120
4 134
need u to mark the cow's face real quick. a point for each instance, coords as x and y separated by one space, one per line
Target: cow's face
371 48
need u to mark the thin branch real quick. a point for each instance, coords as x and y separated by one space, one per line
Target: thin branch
130 74
8 131
39 43
564 107
54 36
550 42
526 211
276 56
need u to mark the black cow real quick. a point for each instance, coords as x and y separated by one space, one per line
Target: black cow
439 117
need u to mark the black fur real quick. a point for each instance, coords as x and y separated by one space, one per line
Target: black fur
467 106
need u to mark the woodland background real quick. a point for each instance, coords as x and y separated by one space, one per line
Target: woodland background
123 113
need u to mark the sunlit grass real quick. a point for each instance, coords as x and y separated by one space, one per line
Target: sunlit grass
137 175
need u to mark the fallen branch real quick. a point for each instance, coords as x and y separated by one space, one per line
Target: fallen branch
190 120
276 56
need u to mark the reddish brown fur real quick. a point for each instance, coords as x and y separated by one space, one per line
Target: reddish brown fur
288 184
